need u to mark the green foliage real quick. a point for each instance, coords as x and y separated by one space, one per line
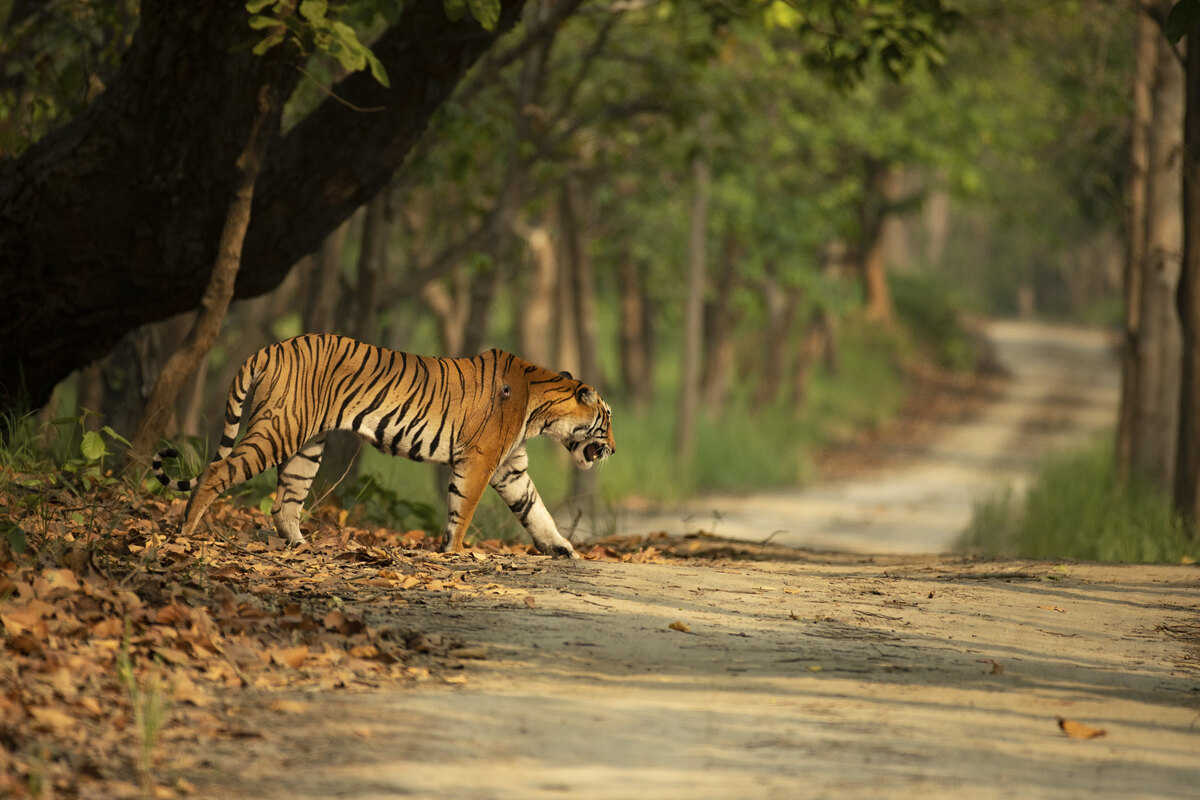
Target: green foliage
367 499
485 12
313 26
1076 508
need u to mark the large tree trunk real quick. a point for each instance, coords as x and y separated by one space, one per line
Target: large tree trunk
1156 415
1135 235
113 220
215 302
1187 459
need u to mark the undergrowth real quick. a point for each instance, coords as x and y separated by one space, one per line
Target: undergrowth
1076 508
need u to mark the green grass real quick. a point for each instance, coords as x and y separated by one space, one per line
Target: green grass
1075 508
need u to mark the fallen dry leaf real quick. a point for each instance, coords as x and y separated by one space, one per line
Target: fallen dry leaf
682 627
1053 608
1077 730
529 601
289 706
477 653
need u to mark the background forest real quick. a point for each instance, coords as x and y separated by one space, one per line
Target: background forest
744 222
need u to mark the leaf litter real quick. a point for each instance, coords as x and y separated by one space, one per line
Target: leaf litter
123 644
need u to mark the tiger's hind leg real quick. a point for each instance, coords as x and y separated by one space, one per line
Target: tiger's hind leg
468 479
295 478
255 453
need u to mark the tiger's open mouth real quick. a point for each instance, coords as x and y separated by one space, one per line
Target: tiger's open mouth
594 452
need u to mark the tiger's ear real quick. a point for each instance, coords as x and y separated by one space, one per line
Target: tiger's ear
585 395
567 375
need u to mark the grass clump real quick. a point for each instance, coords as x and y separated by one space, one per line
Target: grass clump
1076 508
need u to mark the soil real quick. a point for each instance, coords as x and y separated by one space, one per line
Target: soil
857 661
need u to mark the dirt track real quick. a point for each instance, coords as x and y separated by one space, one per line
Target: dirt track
820 675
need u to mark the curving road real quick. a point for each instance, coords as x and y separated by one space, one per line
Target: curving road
1064 387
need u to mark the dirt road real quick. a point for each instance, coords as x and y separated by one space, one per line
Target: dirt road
1064 386
797 675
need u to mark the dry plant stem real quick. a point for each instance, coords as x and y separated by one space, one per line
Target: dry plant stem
215 301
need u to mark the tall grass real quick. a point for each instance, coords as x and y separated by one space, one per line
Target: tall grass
1076 508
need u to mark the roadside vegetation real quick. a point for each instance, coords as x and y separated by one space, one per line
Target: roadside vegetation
1077 508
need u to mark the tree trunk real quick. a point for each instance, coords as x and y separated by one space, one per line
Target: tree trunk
535 312
693 308
323 285
183 362
635 335
1156 416
884 188
1135 236
809 347
719 319
1187 459
113 220
780 305
583 281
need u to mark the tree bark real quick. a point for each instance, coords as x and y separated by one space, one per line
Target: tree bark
183 362
780 305
693 308
1135 237
1156 416
635 335
883 193
113 220
1187 457
323 285
535 317
719 319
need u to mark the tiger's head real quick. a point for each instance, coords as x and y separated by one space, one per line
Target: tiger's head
577 417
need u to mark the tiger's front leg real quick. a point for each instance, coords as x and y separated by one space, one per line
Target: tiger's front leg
511 480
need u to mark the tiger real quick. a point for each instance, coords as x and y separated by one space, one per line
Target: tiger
474 414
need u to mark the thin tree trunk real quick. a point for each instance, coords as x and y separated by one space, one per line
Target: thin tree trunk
364 319
215 301
811 345
635 335
535 317
1156 418
323 286
693 309
1187 459
719 320
780 306
583 281
883 188
1135 237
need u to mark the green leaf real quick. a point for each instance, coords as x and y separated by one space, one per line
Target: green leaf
455 9
116 437
267 43
256 6
15 537
265 503
377 70
258 22
1183 16
92 446
486 12
314 10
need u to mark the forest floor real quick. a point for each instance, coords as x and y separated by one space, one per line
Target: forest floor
659 666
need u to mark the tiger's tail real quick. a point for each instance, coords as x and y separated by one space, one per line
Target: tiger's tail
245 380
